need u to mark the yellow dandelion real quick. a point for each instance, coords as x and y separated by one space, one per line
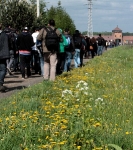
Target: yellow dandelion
78 147
128 133
97 124
7 119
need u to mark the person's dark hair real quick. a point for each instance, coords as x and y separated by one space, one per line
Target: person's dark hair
66 30
93 40
7 30
77 32
100 34
51 22
7 25
37 29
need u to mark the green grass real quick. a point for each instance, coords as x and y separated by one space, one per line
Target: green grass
87 108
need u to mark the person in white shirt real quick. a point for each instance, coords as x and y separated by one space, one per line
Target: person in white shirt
34 53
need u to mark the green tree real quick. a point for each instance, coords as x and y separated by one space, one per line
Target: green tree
61 17
42 19
18 14
2 2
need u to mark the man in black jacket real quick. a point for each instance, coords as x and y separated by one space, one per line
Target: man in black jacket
24 43
4 55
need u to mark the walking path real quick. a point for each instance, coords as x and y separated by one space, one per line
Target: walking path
15 82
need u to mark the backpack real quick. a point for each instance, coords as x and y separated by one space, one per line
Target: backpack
77 41
100 41
52 39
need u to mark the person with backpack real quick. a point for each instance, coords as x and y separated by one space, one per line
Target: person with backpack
100 42
25 43
69 49
78 45
4 55
50 37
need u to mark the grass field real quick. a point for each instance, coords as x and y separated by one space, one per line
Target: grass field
88 108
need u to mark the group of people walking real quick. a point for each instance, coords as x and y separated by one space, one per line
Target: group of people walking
47 51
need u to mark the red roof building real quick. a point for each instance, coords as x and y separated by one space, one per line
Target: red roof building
118 37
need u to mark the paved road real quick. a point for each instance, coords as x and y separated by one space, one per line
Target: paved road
15 82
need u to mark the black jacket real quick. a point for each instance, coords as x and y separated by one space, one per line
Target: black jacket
25 41
4 46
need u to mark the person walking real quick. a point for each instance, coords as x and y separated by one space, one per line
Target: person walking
93 47
69 50
50 37
34 53
12 48
61 54
82 50
78 45
100 42
25 43
4 55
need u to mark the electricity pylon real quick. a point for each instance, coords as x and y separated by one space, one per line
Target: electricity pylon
90 26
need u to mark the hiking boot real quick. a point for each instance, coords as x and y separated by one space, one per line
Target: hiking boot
2 88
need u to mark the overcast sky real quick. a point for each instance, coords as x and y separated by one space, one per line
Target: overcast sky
106 14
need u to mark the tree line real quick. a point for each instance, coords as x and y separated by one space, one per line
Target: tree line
20 13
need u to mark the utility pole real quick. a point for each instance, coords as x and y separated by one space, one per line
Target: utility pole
90 26
38 8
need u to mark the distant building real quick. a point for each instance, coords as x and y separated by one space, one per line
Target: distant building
118 38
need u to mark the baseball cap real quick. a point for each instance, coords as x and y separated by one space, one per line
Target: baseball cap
25 28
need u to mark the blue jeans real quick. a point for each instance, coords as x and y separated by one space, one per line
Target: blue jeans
99 50
2 71
77 58
67 61
42 64
10 61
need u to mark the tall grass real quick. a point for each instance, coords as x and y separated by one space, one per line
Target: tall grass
87 108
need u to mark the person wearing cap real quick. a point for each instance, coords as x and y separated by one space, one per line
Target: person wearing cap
25 43
50 58
4 55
